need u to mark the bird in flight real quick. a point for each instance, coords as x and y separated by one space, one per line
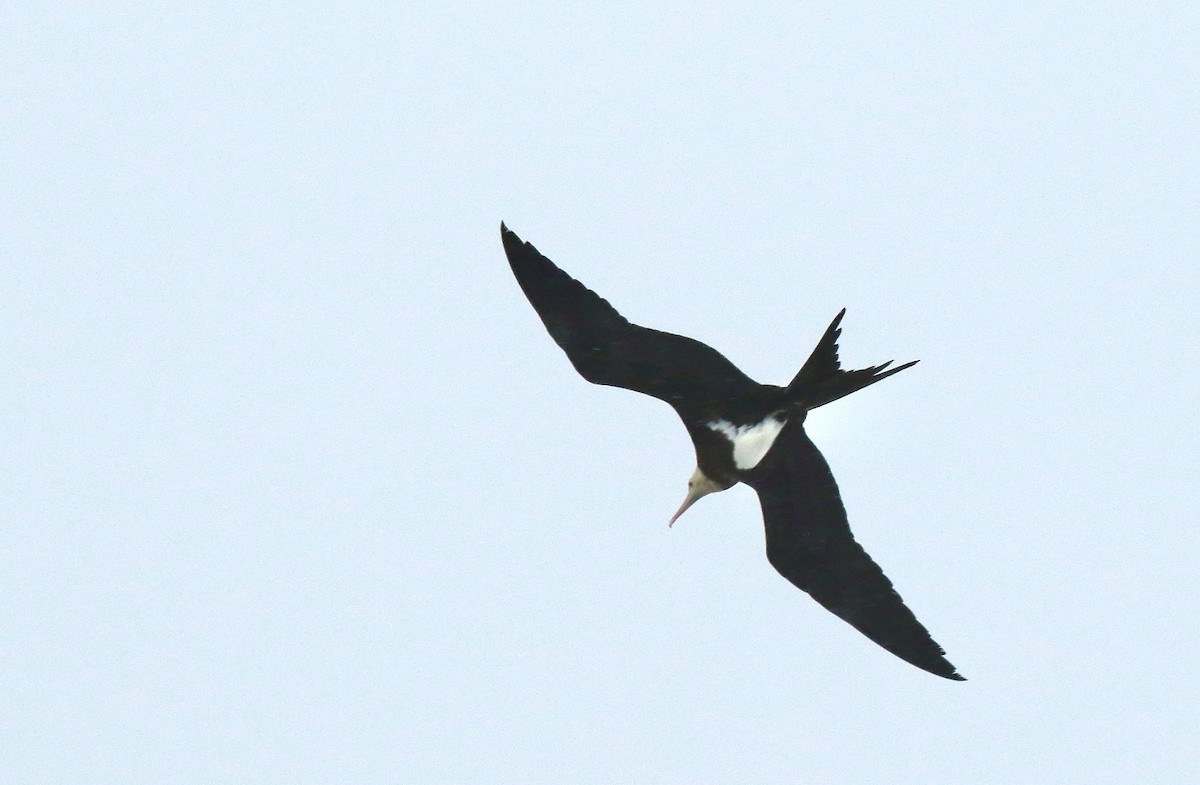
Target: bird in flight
747 432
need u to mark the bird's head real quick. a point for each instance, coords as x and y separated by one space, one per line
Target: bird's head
699 485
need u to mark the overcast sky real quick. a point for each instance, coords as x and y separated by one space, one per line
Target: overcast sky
295 488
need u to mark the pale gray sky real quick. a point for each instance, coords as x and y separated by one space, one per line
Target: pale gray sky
296 489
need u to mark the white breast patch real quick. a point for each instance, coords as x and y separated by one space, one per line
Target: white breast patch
751 443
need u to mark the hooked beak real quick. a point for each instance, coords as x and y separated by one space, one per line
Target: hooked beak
688 502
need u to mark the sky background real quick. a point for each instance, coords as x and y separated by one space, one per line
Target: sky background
294 487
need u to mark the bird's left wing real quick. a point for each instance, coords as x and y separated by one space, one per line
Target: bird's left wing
809 542
606 348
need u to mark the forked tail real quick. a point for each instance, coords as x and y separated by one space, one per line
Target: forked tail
822 380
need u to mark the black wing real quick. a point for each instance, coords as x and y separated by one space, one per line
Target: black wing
607 349
809 543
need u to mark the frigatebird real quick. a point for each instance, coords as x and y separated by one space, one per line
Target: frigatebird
747 432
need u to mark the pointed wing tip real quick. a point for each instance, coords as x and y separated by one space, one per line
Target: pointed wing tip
941 667
948 672
936 665
513 245
933 662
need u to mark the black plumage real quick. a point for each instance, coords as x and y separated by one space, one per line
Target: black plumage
747 432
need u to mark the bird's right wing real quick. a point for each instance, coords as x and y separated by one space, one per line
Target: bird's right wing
809 542
608 349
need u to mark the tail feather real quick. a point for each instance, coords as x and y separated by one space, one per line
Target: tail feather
821 379
823 362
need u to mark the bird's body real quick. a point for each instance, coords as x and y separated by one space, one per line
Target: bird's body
743 431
